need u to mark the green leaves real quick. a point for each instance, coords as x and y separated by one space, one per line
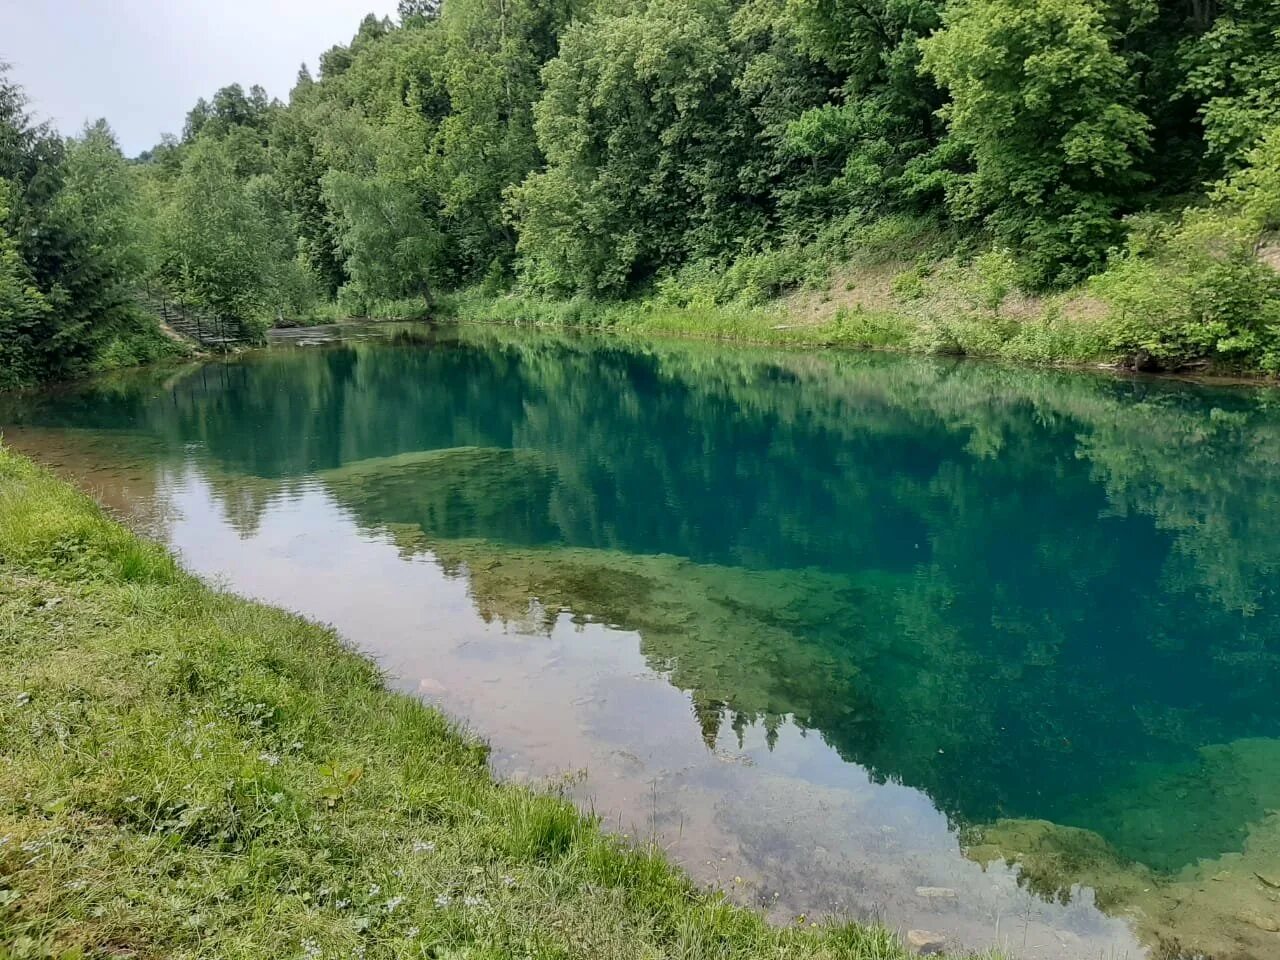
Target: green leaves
227 242
392 244
338 781
1204 285
597 150
651 151
23 307
68 245
1044 99
1234 71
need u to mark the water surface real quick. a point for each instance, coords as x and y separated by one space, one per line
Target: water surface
984 651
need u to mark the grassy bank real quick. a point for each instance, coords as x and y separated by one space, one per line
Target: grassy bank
1199 293
860 314
185 773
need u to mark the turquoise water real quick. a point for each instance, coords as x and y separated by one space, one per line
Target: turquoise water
1027 596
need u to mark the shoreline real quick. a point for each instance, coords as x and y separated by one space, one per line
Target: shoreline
695 332
223 772
1114 370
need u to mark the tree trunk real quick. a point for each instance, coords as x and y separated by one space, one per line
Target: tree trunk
1203 13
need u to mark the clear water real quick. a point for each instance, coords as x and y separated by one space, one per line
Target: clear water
839 628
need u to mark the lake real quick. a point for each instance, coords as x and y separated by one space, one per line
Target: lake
984 651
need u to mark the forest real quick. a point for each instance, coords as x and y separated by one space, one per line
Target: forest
1055 180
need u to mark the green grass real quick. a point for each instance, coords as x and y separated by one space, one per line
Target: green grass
899 283
1189 295
143 345
939 325
1195 294
185 773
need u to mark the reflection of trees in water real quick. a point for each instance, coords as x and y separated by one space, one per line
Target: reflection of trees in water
1001 586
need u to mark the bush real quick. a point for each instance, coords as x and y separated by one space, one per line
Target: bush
1194 290
749 280
889 239
131 350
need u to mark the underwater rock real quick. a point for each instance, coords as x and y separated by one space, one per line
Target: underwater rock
1220 907
925 943
1259 921
936 893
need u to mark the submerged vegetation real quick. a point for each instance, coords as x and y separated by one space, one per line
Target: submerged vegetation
1054 180
186 773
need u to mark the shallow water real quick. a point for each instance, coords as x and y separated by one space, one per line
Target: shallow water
989 652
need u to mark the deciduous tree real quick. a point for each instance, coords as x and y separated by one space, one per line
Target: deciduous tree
1044 98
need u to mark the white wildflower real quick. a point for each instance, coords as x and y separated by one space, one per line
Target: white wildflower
443 900
269 758
394 904
310 948
374 889
472 901
24 698
421 847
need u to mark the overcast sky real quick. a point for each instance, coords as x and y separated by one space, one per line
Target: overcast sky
143 63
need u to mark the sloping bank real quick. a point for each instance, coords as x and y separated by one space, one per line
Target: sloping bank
1199 296
186 773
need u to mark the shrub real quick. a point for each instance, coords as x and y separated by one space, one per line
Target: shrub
1194 290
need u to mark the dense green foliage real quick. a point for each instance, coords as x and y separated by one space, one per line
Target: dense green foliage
686 150
188 774
1044 104
69 250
